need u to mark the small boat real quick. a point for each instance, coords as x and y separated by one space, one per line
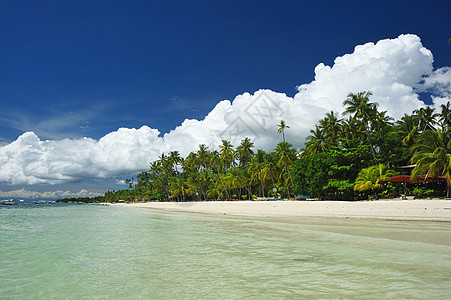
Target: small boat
42 202
11 202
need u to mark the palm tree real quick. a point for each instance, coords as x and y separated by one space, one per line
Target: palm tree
407 129
350 128
255 171
445 115
245 151
156 170
202 155
287 155
174 159
432 156
179 188
331 127
426 117
227 153
360 106
191 166
382 121
315 143
369 178
282 126
270 170
232 182
382 126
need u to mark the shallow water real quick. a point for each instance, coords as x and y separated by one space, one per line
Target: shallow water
93 252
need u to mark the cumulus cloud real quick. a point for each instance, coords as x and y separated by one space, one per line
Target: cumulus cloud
395 70
391 69
23 193
439 82
28 160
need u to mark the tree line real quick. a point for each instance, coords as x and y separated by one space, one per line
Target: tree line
345 157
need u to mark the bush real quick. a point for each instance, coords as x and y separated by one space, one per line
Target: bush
428 193
418 193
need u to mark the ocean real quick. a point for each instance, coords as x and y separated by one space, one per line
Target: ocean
109 252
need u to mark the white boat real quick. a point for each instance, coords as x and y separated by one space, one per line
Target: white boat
11 202
41 202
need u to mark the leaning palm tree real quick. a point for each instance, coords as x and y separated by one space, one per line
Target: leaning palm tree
432 156
156 170
282 126
179 188
256 175
360 107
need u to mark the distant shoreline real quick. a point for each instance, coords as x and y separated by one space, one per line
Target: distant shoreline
421 210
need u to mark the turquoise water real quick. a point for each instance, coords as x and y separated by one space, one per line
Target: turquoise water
99 252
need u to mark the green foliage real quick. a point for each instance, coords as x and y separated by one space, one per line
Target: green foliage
428 192
418 193
340 189
311 174
369 178
340 155
421 192
83 199
432 155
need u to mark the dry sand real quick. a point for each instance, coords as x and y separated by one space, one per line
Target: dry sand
430 210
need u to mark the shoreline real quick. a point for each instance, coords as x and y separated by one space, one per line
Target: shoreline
406 210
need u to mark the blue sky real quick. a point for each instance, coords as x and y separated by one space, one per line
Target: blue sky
74 69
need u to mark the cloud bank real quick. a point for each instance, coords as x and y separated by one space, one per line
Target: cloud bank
23 193
395 70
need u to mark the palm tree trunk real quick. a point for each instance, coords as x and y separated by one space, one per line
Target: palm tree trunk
242 182
201 188
164 187
448 188
216 187
225 188
289 175
369 138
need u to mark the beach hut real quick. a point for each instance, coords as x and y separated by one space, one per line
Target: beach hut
407 184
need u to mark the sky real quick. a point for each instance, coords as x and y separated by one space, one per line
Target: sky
92 91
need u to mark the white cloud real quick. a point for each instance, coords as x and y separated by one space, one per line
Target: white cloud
390 69
23 193
28 160
439 82
395 70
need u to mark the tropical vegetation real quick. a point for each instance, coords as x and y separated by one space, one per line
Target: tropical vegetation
346 157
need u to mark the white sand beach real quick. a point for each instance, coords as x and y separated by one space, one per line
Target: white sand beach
430 210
